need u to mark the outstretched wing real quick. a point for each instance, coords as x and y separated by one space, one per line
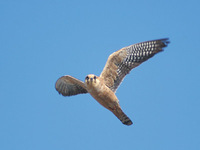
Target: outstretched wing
68 86
121 62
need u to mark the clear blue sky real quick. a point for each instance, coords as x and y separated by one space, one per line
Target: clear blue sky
43 40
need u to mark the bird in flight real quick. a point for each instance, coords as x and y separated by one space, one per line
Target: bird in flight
102 88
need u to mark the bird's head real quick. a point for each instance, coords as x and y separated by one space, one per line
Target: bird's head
91 79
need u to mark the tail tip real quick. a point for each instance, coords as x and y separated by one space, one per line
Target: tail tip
128 122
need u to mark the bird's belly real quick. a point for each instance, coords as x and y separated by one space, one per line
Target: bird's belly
105 97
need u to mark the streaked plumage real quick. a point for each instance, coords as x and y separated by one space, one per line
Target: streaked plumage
118 65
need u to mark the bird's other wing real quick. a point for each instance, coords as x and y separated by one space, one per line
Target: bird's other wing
68 86
121 62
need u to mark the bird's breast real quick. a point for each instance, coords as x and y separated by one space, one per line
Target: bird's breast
103 95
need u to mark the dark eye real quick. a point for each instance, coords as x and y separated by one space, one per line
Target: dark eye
86 78
95 77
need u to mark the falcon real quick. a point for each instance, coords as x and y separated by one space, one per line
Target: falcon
103 88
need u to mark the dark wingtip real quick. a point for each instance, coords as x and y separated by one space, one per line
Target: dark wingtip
165 41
